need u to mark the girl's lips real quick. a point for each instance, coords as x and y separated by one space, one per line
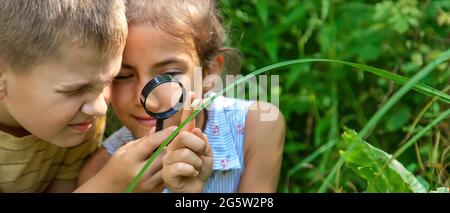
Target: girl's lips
146 121
82 127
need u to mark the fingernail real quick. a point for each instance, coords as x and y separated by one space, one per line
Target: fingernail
195 173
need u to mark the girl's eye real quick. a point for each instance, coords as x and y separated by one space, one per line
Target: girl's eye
173 72
123 77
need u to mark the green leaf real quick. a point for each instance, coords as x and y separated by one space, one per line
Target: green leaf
272 47
294 147
382 173
398 118
295 72
423 182
441 190
261 6
319 130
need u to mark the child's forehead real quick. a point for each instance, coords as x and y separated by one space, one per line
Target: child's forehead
87 54
82 63
157 36
172 32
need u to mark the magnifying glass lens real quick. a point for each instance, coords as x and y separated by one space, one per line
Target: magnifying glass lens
163 98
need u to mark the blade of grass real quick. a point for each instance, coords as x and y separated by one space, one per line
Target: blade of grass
310 158
333 133
401 92
413 126
382 73
433 123
419 116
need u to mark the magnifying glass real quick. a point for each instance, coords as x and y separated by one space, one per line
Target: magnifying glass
162 97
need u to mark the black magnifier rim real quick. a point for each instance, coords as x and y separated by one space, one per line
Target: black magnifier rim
155 82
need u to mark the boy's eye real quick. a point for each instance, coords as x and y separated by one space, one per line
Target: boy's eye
74 92
84 90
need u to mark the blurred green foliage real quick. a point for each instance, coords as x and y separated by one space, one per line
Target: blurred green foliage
319 100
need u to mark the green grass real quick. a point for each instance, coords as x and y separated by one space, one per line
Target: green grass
322 100
409 84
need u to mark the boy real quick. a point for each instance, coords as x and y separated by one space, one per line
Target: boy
56 59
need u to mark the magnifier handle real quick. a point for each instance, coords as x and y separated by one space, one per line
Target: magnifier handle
159 125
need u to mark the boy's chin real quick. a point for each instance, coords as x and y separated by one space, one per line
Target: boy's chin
68 142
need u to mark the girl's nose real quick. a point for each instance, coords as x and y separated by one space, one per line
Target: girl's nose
163 97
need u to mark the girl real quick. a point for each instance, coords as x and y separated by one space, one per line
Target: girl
175 37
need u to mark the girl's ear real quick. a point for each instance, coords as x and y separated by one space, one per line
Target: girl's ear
216 68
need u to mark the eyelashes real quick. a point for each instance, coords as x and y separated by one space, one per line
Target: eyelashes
123 77
173 73
127 76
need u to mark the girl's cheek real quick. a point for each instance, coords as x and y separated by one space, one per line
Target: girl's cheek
120 89
175 120
186 80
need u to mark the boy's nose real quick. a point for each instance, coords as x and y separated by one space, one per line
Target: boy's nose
96 107
107 94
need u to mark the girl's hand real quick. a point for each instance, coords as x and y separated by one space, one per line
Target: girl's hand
152 181
126 163
188 161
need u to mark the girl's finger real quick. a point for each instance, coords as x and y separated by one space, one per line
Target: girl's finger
147 144
183 155
155 166
173 171
188 140
187 111
199 133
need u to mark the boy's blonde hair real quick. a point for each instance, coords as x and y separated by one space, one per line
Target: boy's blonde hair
198 20
34 31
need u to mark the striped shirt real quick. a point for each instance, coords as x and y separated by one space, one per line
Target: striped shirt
30 164
225 131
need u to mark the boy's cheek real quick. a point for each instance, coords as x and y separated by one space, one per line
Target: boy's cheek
107 94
